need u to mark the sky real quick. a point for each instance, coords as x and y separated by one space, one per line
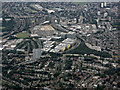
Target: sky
61 0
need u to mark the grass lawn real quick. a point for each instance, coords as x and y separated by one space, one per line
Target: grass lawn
23 35
33 11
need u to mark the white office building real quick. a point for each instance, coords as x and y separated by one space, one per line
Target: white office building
37 53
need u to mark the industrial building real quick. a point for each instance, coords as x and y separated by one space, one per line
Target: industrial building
71 35
47 45
64 45
63 35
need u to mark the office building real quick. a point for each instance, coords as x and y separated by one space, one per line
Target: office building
105 4
102 5
37 53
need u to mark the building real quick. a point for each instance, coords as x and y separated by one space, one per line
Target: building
97 48
50 11
65 44
34 35
71 35
98 12
81 19
105 14
63 35
37 53
43 30
102 5
38 7
105 4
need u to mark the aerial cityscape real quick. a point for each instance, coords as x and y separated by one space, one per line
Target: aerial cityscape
60 45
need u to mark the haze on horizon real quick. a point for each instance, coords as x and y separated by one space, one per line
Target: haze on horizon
60 0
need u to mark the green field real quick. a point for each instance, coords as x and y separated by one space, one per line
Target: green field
23 35
30 10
